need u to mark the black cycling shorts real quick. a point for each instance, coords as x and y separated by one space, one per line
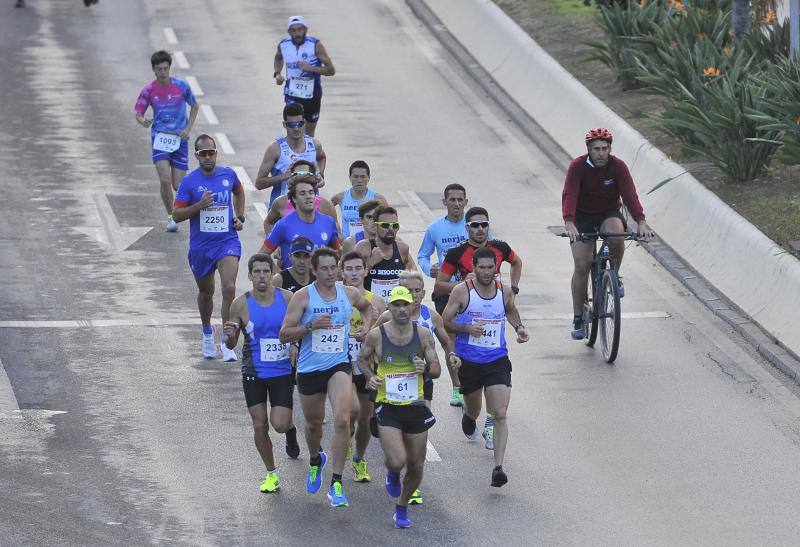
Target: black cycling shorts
311 383
278 389
591 223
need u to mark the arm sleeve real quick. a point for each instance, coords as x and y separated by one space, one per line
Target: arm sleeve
569 196
425 251
628 192
143 101
273 240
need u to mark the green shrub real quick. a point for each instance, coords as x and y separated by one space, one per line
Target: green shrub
717 118
781 110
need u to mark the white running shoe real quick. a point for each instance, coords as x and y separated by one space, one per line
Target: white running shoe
209 347
228 355
172 226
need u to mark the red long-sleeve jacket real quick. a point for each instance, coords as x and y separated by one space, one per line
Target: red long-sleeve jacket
590 190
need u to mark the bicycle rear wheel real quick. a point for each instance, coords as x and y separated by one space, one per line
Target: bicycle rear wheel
610 315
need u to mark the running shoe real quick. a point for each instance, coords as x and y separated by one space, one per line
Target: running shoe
469 427
336 495
393 487
314 476
360 469
228 355
416 498
488 436
292 448
457 399
400 518
499 477
172 226
578 329
209 347
271 483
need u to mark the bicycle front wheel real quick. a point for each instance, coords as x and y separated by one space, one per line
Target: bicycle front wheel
610 315
589 315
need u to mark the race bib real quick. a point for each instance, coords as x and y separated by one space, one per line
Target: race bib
402 387
355 227
382 287
273 350
491 334
330 340
353 347
302 88
166 142
214 219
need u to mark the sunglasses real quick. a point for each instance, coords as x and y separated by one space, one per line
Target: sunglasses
478 224
388 225
206 153
295 125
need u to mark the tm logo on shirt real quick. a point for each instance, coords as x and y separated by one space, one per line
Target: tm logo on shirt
608 182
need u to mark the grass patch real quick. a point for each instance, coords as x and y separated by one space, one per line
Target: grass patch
572 8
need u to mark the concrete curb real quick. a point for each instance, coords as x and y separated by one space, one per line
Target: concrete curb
722 246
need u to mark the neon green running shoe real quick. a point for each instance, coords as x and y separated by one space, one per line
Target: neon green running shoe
457 399
360 468
271 483
416 498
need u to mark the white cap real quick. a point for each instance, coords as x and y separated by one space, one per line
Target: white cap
296 20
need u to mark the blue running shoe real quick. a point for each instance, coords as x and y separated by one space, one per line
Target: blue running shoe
393 487
401 519
578 329
336 495
314 476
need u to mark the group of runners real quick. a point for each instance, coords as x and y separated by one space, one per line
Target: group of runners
337 305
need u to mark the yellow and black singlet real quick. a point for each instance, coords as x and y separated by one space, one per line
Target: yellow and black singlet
402 384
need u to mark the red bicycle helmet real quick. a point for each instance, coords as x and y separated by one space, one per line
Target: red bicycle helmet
599 133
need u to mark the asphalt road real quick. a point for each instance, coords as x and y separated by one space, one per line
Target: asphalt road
113 430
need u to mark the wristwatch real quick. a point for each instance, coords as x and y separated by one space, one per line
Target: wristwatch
309 326
241 218
515 290
275 74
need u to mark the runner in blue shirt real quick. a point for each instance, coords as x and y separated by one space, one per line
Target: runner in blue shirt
212 198
169 127
349 200
304 221
442 235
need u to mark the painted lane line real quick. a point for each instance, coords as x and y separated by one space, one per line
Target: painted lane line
169 33
431 455
261 209
564 317
8 401
195 85
244 178
77 324
181 60
224 144
209 115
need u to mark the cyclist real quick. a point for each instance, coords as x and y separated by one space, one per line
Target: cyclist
596 185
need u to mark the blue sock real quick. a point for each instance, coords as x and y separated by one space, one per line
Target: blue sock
489 421
208 330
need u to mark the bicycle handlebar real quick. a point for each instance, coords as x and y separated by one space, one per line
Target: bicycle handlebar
603 235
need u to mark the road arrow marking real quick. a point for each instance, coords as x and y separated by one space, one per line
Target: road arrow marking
111 233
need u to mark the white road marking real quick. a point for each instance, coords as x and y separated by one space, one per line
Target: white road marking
90 323
417 206
181 60
8 401
209 115
224 144
431 455
111 233
195 85
261 209
564 317
169 33
244 178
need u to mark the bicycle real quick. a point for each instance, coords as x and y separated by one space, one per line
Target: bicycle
602 313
